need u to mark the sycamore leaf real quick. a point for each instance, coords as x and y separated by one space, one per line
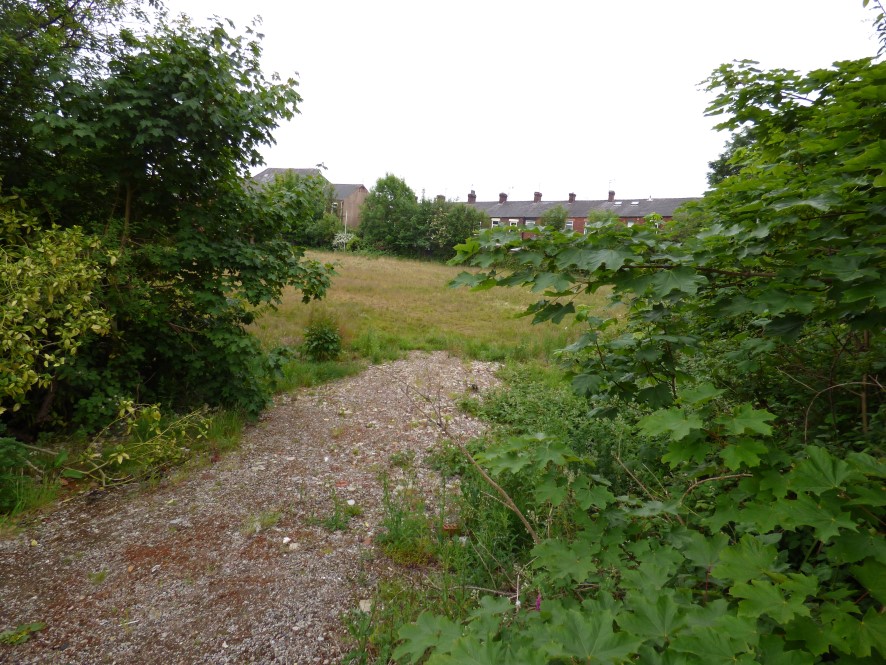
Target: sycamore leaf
853 547
657 618
762 597
675 422
820 472
548 490
427 632
587 384
597 496
592 260
822 515
704 551
747 419
772 650
700 394
749 559
551 281
685 280
592 639
872 574
714 646
744 452
569 562
470 650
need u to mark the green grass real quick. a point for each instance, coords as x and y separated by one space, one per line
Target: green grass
387 306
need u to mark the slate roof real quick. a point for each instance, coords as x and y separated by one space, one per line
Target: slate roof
621 207
344 191
268 175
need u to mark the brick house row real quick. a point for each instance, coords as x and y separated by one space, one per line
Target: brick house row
527 213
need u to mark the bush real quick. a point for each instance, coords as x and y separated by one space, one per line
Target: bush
322 339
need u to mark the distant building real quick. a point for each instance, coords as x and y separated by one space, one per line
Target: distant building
347 199
527 213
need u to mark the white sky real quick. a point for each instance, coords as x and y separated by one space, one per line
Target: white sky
556 96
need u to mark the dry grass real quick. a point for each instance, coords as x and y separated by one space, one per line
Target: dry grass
385 306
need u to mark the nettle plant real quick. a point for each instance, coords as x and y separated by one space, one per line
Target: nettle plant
754 351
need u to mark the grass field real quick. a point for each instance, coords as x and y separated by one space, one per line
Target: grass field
385 306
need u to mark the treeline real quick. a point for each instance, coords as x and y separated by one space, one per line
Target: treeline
132 255
394 221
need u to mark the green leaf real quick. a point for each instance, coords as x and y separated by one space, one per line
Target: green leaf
750 559
853 547
700 394
747 419
658 618
762 597
470 650
685 280
564 561
820 472
745 452
674 421
552 281
823 515
592 638
427 632
704 551
597 496
872 574
72 473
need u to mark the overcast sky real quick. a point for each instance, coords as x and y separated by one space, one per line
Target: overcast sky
517 97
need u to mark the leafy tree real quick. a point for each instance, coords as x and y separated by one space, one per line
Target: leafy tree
554 217
386 218
755 353
729 163
302 202
130 163
393 221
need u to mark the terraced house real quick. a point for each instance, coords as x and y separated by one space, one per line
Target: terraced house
527 213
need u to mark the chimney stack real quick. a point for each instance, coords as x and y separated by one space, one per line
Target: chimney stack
441 198
611 195
502 198
572 197
537 198
472 197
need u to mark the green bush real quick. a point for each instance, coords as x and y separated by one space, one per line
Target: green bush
322 340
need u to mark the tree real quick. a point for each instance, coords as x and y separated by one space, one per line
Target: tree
130 163
754 353
729 163
554 217
303 202
386 218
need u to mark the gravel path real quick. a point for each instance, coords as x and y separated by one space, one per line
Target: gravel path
231 564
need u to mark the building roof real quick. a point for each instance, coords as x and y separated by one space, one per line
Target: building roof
344 191
576 209
268 175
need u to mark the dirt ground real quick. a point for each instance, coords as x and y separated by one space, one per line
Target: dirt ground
231 563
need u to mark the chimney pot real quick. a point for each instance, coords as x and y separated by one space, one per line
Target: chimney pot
472 197
502 197
572 197
612 195
537 198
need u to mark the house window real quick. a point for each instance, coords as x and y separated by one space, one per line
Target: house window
495 221
568 224
513 222
530 223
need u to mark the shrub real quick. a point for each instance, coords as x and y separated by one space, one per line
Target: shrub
322 339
